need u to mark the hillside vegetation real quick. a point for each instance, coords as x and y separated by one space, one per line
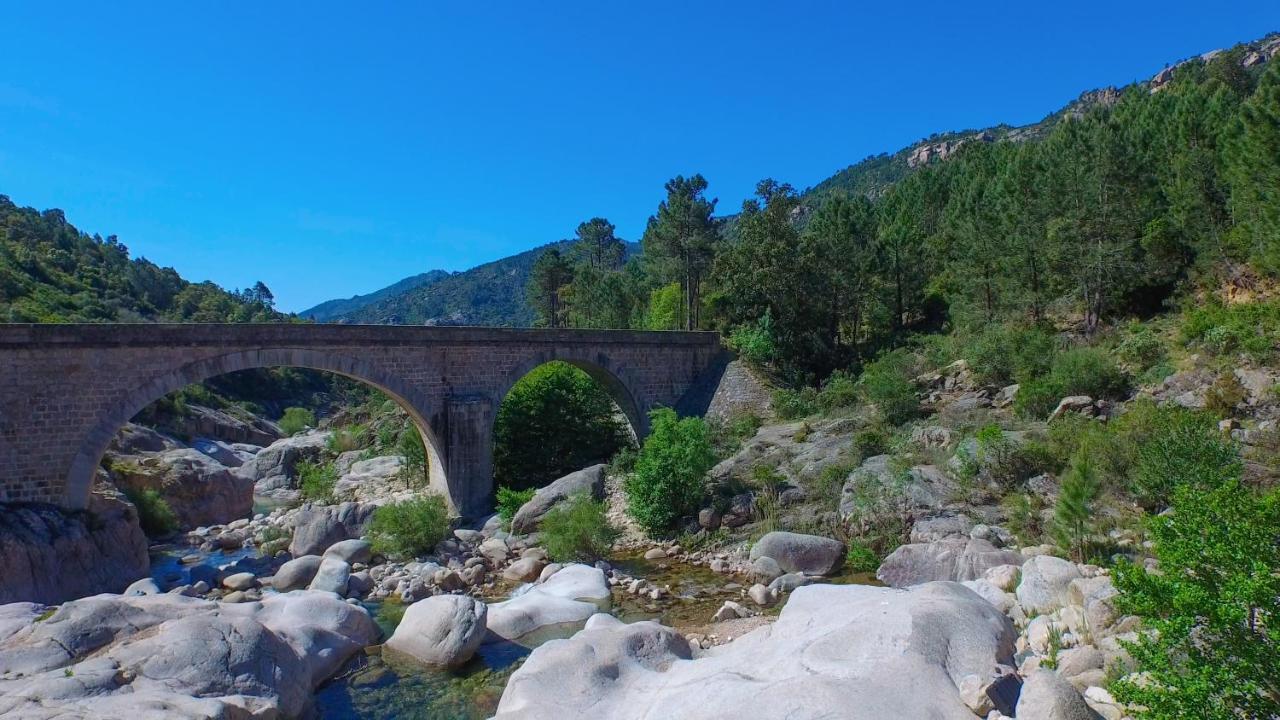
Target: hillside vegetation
52 272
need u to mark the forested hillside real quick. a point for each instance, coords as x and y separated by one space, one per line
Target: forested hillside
52 272
1122 205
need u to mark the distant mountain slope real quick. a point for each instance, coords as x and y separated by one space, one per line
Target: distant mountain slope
332 309
490 294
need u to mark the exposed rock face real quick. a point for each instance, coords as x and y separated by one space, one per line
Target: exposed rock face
200 421
441 631
955 558
371 478
589 480
797 553
199 489
927 488
316 527
49 556
177 657
562 603
134 438
1046 584
297 573
273 471
1046 696
900 653
823 444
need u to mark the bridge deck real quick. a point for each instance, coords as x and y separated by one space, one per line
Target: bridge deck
325 334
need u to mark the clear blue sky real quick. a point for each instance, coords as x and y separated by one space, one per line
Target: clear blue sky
331 151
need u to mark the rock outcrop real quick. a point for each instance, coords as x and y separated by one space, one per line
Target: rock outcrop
49 556
836 651
441 631
273 471
588 480
316 527
954 558
552 608
797 553
177 657
199 489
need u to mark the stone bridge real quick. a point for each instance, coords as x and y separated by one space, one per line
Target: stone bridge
65 390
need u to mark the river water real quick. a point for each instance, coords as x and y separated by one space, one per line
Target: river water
373 687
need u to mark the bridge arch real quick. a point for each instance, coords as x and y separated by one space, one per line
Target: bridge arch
618 380
79 480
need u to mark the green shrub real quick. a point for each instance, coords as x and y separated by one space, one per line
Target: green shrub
554 421
830 481
1079 371
728 436
1249 328
296 419
668 480
887 383
792 404
861 558
509 501
878 515
871 441
409 528
1073 514
1183 448
154 514
410 446
1022 516
754 343
1211 642
1002 354
1141 346
341 440
316 480
839 391
1224 395
577 530
623 461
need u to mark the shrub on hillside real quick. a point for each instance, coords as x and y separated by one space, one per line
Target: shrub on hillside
316 480
839 391
346 439
667 483
409 528
1003 354
887 383
154 514
871 441
1224 395
1211 640
1079 371
577 530
296 419
754 343
554 421
1249 328
509 501
791 404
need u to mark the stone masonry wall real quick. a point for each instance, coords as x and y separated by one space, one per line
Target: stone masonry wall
66 389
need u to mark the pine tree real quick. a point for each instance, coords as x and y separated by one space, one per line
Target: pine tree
1073 513
551 273
680 241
